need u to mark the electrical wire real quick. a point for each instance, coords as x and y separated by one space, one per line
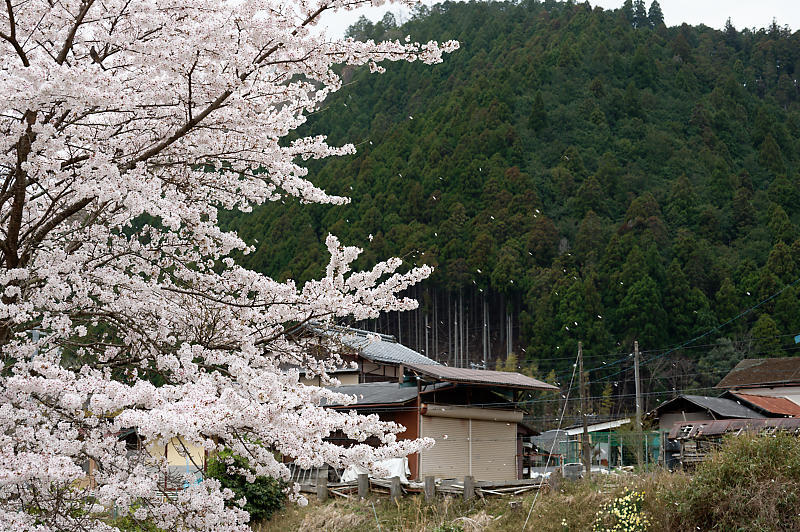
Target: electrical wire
552 447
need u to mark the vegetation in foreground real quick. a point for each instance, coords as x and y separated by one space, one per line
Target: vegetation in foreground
752 483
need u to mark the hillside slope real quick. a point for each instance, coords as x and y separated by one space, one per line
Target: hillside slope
573 174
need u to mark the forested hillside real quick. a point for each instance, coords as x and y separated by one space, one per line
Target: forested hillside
573 174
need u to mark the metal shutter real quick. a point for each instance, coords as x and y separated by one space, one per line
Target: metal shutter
448 458
492 449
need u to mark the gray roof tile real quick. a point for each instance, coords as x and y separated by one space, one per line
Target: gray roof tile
381 348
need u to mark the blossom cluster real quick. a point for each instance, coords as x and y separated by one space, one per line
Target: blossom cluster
623 514
125 126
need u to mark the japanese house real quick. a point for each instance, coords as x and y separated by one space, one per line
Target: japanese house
774 377
470 414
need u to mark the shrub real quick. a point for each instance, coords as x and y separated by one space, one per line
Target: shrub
264 496
751 483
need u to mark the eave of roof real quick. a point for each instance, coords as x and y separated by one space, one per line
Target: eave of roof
722 426
503 379
371 394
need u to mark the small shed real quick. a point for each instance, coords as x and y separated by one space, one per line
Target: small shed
697 439
698 408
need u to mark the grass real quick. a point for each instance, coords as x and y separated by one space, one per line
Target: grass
751 484
575 504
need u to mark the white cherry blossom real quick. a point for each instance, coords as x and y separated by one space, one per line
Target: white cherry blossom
125 126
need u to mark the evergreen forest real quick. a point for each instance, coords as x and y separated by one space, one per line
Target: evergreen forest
574 175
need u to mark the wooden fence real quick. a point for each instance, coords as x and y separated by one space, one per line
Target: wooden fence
468 488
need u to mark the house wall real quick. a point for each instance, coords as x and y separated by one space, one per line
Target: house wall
372 372
177 456
666 421
790 392
409 419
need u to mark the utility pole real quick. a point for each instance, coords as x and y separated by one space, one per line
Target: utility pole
587 461
639 433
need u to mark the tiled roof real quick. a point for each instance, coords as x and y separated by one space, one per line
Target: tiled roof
379 347
773 405
717 405
507 379
762 372
381 393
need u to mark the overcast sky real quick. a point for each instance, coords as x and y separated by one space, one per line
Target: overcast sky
713 13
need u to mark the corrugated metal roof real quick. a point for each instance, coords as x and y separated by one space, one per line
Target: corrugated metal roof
507 379
774 405
762 372
685 430
717 405
598 427
381 393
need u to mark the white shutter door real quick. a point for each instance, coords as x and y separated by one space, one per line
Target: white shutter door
448 458
494 450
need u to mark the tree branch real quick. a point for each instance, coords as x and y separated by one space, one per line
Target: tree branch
62 55
12 36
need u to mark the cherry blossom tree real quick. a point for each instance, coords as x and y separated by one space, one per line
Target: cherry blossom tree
126 125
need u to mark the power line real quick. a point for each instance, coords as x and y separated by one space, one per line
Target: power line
550 454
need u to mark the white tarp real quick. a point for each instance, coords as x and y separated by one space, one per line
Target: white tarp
394 467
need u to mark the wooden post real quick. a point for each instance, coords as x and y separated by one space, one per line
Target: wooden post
363 485
430 488
322 488
469 487
587 460
639 434
394 488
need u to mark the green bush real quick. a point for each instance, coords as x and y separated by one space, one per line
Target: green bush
751 483
264 496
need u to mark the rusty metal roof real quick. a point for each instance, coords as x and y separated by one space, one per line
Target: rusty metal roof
505 379
773 405
762 372
686 430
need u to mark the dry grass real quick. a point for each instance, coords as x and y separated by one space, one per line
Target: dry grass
753 484
576 503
